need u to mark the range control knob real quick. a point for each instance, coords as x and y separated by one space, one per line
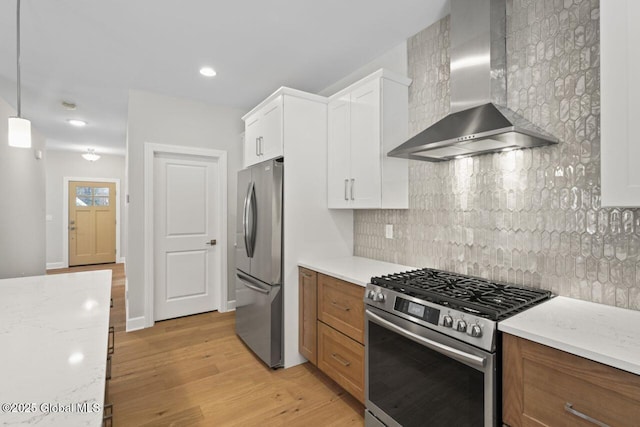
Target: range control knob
379 297
371 295
447 321
475 331
462 326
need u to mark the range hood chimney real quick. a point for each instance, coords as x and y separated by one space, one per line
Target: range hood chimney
478 122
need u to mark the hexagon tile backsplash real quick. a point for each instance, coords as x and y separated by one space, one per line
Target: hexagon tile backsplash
530 216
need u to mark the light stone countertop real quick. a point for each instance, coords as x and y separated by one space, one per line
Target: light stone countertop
598 332
53 348
353 269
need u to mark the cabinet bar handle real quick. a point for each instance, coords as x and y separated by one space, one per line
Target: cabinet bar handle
341 307
261 146
340 359
107 415
569 408
307 275
108 367
257 149
111 346
353 191
346 185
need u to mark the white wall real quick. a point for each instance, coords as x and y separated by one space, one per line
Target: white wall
62 164
394 59
174 121
22 204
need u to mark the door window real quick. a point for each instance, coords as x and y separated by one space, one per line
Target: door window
92 196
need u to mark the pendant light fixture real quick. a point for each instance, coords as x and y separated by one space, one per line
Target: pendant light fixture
91 155
19 128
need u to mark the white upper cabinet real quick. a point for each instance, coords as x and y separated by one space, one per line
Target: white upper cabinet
263 132
620 102
367 120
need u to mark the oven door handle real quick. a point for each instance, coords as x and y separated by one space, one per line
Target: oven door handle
456 354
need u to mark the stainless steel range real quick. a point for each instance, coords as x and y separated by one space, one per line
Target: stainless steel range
432 347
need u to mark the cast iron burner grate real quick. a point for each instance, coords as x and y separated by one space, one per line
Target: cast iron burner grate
475 295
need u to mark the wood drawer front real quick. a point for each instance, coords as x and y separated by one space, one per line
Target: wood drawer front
308 311
341 305
539 381
342 359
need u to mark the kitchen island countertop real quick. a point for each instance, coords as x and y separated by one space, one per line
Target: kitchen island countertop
602 333
353 269
53 335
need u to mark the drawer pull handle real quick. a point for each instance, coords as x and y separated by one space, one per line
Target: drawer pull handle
340 359
111 346
341 307
569 408
107 415
307 275
109 367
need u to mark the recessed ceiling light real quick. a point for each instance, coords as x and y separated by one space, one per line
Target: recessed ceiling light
77 123
207 71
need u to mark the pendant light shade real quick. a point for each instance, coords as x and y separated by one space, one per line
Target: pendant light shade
19 128
91 155
19 132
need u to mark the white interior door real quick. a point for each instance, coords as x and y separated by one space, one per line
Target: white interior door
187 260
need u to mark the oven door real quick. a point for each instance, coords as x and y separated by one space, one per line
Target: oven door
415 376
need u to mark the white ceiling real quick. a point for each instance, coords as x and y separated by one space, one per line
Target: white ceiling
92 52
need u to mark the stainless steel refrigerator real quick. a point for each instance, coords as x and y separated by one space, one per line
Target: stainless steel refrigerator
259 260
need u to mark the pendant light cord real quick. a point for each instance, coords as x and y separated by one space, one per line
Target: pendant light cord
18 56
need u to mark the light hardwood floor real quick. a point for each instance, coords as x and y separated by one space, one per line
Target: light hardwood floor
195 371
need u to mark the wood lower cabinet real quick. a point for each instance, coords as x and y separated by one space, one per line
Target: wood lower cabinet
342 359
340 305
308 314
543 386
331 328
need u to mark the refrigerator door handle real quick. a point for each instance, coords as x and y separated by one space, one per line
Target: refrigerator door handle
245 222
252 219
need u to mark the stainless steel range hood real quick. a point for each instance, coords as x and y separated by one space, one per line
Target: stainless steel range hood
478 122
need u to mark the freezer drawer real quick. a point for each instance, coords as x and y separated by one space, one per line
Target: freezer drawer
259 318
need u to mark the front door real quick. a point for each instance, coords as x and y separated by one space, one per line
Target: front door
92 223
187 255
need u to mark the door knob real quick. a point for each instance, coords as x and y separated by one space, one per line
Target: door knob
211 243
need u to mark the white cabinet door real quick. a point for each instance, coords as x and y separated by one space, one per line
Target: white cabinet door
366 120
270 146
620 102
339 153
263 133
365 184
252 127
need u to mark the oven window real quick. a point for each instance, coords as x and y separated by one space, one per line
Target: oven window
417 386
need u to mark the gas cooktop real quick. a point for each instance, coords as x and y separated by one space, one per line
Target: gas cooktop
474 295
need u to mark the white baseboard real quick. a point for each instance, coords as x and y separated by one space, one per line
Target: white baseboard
230 306
55 265
135 323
